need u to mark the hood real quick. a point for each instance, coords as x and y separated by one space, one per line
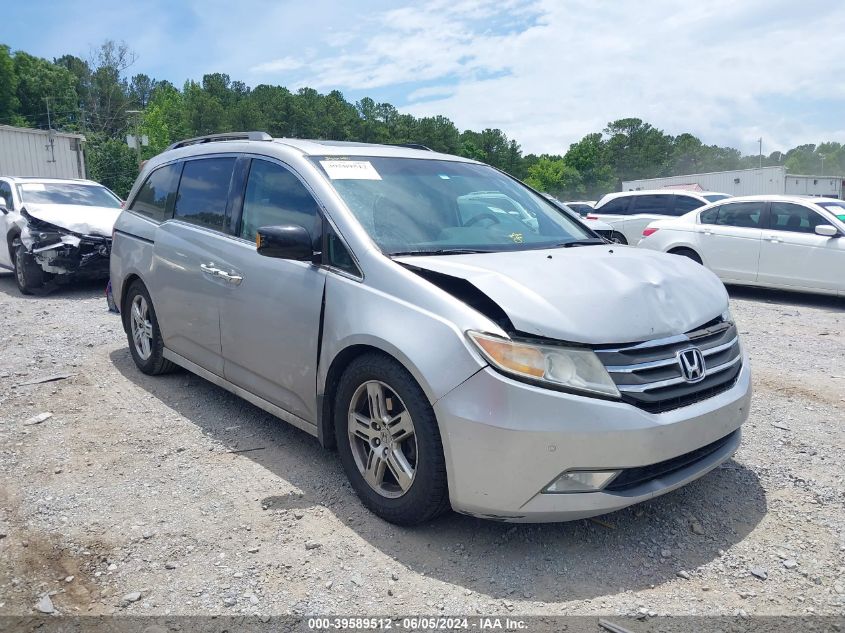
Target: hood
590 294
76 218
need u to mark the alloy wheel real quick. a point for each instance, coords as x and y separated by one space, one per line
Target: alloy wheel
142 327
383 439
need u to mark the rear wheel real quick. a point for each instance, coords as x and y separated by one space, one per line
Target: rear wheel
617 237
687 252
389 441
28 273
145 342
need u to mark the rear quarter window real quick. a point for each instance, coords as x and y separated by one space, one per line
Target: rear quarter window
204 192
156 196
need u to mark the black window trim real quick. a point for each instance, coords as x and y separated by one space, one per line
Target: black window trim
632 206
322 215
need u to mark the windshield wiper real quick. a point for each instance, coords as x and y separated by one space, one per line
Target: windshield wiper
588 242
439 251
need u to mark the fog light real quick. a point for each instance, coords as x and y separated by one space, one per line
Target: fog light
581 481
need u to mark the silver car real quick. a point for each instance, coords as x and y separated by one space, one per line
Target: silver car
457 356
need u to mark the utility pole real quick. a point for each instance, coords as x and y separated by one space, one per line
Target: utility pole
50 134
137 115
760 140
822 156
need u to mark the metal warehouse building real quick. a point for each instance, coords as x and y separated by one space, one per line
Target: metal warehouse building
744 182
42 153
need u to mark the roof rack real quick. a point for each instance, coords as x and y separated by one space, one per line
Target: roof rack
225 136
411 146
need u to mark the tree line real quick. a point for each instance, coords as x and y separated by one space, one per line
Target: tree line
101 99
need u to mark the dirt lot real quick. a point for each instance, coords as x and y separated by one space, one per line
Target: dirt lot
132 497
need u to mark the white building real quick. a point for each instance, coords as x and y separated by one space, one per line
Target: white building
42 153
745 182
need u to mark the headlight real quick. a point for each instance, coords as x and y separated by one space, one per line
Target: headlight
727 317
572 368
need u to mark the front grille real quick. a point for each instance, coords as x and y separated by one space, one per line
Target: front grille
633 477
649 375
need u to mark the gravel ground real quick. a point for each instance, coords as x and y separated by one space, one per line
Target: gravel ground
168 495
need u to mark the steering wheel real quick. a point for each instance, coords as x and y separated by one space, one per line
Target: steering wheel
482 216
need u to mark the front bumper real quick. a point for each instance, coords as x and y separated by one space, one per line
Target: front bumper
505 441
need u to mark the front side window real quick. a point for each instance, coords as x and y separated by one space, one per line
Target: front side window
204 192
653 204
741 214
420 206
794 218
155 197
68 193
685 204
836 208
275 196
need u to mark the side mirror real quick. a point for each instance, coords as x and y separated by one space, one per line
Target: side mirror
827 230
287 241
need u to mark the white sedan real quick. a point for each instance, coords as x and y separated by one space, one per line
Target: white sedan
786 242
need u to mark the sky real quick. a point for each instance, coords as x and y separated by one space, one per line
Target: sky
546 72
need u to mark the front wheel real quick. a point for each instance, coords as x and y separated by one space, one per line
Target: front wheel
618 238
28 273
389 441
687 252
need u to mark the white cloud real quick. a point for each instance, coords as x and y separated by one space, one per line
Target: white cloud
277 65
719 69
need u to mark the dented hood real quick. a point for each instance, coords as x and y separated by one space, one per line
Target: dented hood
591 294
82 219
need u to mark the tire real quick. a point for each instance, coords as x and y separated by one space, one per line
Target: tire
617 237
425 494
28 273
141 321
687 252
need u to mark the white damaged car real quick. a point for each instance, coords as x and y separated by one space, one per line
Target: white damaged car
55 229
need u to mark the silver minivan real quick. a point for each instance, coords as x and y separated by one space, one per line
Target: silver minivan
512 366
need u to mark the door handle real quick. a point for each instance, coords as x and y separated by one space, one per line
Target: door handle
210 269
774 238
231 278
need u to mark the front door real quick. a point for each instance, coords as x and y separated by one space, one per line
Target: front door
270 318
794 256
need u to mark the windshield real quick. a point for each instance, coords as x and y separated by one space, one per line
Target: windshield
713 197
68 193
419 206
836 208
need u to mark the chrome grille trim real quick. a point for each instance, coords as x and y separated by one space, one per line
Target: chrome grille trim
675 381
627 369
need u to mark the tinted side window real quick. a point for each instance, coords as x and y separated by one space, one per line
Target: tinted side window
6 193
617 206
709 216
204 191
685 204
656 204
156 195
275 196
338 255
794 218
741 214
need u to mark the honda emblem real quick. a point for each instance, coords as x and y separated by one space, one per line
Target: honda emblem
692 364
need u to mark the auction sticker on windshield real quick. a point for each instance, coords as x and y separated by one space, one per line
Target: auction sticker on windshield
350 170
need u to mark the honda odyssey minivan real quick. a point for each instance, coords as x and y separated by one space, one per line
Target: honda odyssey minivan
511 366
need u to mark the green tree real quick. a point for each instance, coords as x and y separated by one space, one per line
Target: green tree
8 88
552 175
